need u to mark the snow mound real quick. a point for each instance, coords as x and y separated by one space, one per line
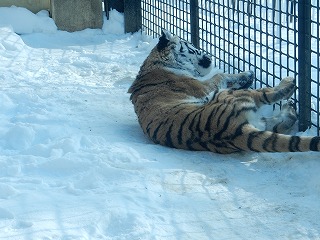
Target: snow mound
24 21
9 40
115 25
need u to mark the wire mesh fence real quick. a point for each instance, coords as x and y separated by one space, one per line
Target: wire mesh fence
261 36
315 62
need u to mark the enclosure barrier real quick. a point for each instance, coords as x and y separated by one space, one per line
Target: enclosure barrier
275 39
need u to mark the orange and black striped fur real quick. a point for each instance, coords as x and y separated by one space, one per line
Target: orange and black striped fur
175 109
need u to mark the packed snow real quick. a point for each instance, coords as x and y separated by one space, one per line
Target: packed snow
74 163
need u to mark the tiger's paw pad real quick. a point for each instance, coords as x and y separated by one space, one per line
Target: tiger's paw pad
288 105
289 110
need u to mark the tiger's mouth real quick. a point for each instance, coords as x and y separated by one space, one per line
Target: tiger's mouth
205 62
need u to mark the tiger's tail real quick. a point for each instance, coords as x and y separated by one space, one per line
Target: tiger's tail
267 141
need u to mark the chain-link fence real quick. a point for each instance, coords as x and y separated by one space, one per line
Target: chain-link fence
273 38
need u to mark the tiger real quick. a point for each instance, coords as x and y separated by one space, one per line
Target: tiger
177 107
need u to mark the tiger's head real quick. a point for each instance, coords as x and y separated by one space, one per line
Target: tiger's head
178 55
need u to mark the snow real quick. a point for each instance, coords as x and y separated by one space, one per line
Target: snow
74 163
23 21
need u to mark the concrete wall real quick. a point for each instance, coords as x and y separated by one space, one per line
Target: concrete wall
33 5
76 15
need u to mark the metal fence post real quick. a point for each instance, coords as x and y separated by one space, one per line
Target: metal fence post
132 16
304 63
194 22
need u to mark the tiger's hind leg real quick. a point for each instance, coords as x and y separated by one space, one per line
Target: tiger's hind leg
284 121
272 95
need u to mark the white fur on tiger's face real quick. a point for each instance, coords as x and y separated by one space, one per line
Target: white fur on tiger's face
186 57
182 57
219 114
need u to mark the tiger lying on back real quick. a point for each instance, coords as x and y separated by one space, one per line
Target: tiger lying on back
177 110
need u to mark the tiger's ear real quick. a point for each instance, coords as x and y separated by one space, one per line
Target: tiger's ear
164 39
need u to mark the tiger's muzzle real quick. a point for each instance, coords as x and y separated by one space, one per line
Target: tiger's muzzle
205 62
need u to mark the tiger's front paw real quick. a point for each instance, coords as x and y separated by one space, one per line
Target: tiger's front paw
241 81
246 79
286 87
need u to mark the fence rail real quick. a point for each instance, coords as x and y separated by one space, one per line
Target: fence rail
273 38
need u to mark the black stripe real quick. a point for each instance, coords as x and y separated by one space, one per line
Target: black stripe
189 144
217 151
246 109
155 133
220 144
191 50
274 143
275 127
236 148
294 144
225 125
239 131
134 93
267 142
142 85
314 143
209 119
198 123
252 139
182 126
266 98
179 136
217 99
178 105
220 116
204 145
168 141
154 136
148 127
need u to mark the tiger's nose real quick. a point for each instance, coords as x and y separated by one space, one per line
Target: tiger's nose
205 61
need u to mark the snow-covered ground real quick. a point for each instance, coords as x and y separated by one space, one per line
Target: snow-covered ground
74 163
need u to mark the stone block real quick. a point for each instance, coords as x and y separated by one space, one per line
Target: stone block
33 5
76 15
